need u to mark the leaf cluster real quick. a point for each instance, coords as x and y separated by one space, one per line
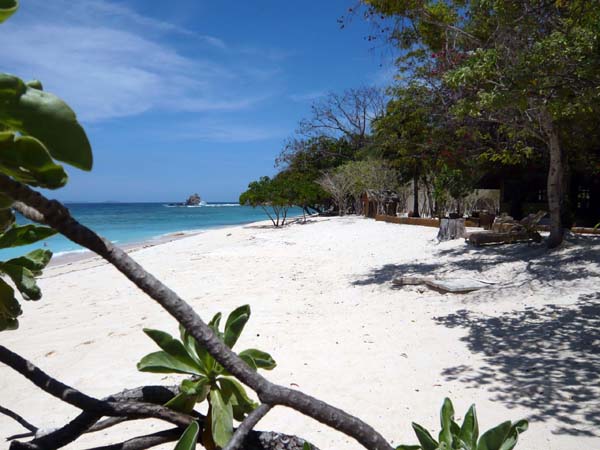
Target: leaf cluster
36 130
453 436
226 397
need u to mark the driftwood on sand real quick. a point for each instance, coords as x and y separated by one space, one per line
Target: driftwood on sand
506 230
450 285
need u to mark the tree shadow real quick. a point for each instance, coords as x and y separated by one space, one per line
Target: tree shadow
579 259
547 360
388 272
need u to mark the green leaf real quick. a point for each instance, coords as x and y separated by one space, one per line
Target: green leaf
260 359
235 324
8 324
182 402
26 159
425 439
35 84
221 419
11 86
306 446
7 219
513 435
199 388
446 419
189 438
215 322
495 437
469 431
162 362
174 348
248 360
24 235
34 261
7 9
23 279
9 307
235 394
409 447
47 118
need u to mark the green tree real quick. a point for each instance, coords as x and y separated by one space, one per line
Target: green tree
269 194
530 67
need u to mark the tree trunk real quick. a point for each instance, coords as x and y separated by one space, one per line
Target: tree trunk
416 191
556 172
451 229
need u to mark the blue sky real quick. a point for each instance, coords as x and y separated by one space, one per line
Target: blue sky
189 95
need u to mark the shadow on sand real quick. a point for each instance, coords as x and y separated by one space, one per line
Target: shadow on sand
547 360
580 260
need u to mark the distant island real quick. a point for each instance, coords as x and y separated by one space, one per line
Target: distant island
192 200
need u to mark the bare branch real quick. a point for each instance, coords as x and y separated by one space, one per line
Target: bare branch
144 442
347 115
94 408
13 415
246 427
20 436
86 422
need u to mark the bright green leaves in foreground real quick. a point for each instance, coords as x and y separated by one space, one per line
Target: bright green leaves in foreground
27 160
32 112
227 398
36 128
466 437
189 438
22 272
7 9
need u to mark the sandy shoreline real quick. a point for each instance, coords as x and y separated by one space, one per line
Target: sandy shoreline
324 306
71 257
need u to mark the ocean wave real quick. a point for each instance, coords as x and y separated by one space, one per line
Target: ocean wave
70 252
211 205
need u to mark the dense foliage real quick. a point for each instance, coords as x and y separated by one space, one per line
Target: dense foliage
525 75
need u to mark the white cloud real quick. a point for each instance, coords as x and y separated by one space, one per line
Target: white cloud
307 96
224 132
99 57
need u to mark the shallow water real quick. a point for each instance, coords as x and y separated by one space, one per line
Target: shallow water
127 223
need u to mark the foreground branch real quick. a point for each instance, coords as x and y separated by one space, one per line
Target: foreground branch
58 217
87 422
246 426
93 408
13 415
144 442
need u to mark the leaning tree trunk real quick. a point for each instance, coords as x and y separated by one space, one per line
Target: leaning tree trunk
556 172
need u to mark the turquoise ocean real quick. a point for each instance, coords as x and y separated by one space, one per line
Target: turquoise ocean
131 223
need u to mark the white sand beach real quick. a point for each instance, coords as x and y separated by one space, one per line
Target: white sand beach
324 306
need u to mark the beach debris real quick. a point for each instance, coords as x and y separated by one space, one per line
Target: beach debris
506 230
446 285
